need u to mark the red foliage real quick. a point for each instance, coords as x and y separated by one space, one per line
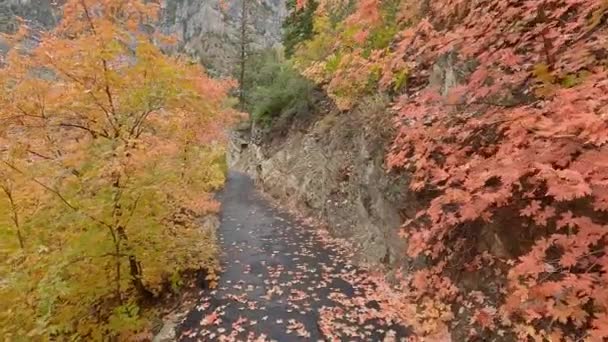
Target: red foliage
527 129
367 13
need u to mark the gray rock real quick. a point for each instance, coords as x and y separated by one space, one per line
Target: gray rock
210 31
206 29
40 13
167 333
334 170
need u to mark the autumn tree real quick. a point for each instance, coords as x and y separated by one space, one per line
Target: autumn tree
109 152
243 45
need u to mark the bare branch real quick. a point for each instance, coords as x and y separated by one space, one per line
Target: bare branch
94 133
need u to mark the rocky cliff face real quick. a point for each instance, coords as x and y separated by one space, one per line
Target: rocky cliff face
331 166
40 12
211 29
207 29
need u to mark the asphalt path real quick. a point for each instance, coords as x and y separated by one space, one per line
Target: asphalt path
281 281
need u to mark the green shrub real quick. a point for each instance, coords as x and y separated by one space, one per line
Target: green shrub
276 88
333 63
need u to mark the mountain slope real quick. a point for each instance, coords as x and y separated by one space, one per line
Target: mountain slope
207 30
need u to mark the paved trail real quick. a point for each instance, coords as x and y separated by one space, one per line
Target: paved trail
280 281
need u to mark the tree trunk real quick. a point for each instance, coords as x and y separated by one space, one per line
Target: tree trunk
117 261
134 266
135 270
243 54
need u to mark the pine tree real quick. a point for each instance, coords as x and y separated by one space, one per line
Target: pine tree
298 26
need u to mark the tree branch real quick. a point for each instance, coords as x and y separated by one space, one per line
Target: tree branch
91 94
58 195
11 200
93 132
40 155
105 255
105 67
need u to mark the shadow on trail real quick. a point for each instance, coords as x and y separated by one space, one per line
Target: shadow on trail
278 280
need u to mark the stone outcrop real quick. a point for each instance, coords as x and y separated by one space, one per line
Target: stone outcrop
332 167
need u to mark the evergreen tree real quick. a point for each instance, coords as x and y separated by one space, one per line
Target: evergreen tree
298 26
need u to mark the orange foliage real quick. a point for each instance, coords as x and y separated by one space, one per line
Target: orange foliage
109 151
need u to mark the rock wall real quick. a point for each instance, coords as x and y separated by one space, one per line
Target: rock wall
208 30
331 166
211 29
40 12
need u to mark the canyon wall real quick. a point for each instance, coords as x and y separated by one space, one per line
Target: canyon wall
208 30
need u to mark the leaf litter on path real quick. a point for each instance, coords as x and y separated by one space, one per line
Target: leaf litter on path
285 281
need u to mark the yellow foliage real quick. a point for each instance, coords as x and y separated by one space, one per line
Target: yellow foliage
320 47
348 56
109 154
